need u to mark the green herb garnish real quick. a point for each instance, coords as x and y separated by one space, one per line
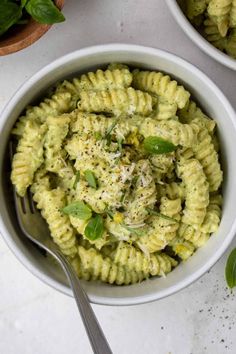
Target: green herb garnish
109 213
77 178
230 269
156 145
119 142
134 180
79 210
122 199
163 216
91 179
44 11
98 135
10 13
109 130
94 228
13 12
132 230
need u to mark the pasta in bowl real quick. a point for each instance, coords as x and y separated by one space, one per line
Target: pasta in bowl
211 25
111 158
124 166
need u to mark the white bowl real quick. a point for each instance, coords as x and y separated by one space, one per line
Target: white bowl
196 37
212 101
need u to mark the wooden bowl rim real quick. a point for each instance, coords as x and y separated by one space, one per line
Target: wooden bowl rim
27 35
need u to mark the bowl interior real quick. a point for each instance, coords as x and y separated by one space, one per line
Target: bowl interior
212 101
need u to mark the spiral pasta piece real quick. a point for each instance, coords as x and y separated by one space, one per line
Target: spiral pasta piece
59 103
213 214
196 237
114 66
164 110
162 165
28 156
232 17
161 230
108 79
193 113
118 78
173 131
132 258
172 190
219 12
197 191
50 202
204 151
212 34
128 101
182 248
161 85
195 8
58 128
91 124
97 267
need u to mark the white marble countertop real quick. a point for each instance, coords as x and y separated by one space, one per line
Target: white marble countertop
35 318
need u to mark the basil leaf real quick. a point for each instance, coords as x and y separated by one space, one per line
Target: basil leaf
230 269
78 209
77 178
44 11
10 13
90 178
94 228
163 216
23 3
156 145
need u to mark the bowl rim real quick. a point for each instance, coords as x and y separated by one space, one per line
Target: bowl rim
197 38
25 87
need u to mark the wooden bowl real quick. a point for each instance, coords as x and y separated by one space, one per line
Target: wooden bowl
21 36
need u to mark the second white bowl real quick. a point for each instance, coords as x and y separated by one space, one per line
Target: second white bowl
197 38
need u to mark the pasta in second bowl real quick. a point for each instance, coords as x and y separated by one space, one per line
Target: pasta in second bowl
95 171
211 25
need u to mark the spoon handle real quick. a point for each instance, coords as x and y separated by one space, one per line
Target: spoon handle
94 331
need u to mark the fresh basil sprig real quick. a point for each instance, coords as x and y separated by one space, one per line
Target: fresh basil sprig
156 145
44 11
230 269
77 178
95 228
78 209
132 230
163 216
109 213
109 130
91 179
10 13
